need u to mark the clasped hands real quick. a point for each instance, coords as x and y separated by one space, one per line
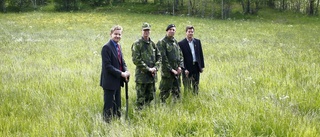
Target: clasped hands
153 71
176 72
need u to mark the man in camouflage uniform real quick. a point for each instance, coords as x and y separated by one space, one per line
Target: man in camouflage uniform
147 58
172 62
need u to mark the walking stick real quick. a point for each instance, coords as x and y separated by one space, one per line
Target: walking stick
127 100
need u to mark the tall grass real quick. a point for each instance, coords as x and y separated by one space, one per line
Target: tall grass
261 77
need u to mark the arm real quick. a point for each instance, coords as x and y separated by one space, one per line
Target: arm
181 64
165 63
106 54
201 55
158 57
180 60
137 57
124 73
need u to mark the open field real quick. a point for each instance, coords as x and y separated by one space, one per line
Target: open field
262 77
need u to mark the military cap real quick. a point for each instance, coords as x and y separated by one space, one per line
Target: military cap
146 26
170 26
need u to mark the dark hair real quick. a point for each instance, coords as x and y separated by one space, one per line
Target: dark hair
189 27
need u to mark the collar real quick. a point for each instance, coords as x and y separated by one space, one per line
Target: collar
170 38
114 43
190 40
146 41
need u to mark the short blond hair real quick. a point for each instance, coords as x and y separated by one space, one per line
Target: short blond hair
116 27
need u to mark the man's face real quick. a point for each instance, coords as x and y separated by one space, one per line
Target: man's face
171 32
116 35
146 33
189 33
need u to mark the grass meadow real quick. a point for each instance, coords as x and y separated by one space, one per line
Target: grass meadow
262 76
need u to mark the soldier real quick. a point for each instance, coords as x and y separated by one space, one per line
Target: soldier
172 62
147 58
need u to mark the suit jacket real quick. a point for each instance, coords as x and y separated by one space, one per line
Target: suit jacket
111 74
187 55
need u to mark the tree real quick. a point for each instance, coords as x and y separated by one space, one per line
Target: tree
18 5
283 5
204 3
95 3
189 7
316 12
225 9
311 7
248 6
271 4
2 6
213 10
161 2
67 5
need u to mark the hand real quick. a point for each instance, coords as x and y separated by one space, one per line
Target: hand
174 72
186 72
153 70
179 70
125 75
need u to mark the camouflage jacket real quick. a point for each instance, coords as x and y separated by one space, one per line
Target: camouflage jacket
145 55
172 57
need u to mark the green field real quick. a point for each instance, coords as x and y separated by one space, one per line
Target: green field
262 77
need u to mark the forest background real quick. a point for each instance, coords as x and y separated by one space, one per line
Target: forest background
222 9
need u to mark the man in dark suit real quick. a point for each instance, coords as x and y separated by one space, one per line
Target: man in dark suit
192 59
113 74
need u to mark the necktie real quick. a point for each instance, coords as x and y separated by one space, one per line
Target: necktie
119 56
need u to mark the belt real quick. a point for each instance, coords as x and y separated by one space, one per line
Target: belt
193 63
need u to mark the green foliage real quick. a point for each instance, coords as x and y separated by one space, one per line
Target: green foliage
261 76
69 5
221 9
22 5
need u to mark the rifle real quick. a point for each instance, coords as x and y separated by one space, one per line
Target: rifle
154 85
154 92
177 82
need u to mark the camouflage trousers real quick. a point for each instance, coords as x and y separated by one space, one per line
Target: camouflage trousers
167 86
144 94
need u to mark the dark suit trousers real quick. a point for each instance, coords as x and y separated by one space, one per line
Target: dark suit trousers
112 104
192 81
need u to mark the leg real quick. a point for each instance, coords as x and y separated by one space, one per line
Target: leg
186 83
165 87
108 104
164 94
176 90
195 82
117 104
141 89
150 89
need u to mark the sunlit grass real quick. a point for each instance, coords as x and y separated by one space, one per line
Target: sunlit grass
261 77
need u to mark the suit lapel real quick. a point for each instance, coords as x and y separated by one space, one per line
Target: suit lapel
188 46
114 51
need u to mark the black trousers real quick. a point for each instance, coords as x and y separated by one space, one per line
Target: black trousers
191 83
112 104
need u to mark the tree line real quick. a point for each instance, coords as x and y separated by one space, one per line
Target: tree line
204 8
